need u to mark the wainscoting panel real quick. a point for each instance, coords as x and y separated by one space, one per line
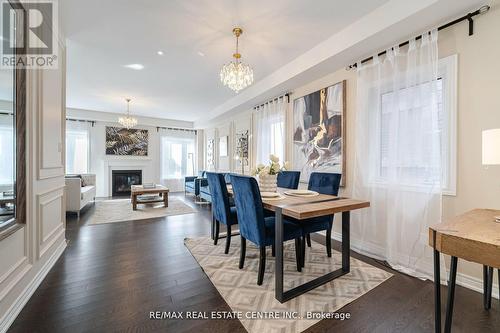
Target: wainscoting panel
13 261
51 217
51 125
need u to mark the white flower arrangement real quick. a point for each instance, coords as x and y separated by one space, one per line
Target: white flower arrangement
273 168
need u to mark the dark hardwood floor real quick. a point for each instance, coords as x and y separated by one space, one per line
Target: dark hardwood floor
111 276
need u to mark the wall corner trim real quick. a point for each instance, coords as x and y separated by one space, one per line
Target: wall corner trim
30 289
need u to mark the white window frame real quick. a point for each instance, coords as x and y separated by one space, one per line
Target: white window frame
182 141
447 71
87 131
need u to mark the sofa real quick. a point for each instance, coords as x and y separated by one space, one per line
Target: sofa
80 190
190 184
198 185
204 189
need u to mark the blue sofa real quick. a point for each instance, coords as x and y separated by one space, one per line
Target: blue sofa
205 189
190 184
199 185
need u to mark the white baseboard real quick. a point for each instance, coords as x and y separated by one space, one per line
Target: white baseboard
475 284
30 289
463 280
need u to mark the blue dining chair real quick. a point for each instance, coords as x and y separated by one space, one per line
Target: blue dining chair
286 179
289 179
222 212
323 183
257 228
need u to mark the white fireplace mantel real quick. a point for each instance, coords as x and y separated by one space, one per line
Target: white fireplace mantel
127 164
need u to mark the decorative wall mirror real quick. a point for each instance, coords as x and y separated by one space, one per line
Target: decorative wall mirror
13 126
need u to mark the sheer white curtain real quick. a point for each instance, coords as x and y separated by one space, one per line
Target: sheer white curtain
398 157
177 157
77 146
269 134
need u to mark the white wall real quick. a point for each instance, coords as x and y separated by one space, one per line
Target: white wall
478 109
230 127
28 253
102 164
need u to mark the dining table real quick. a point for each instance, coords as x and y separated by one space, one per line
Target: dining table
303 207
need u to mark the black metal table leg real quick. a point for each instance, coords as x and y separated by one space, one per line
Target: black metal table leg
346 242
451 294
278 244
489 287
437 288
283 296
485 287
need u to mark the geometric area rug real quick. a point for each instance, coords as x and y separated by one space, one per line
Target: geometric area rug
256 307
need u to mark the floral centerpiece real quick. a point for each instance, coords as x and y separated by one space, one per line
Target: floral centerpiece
268 174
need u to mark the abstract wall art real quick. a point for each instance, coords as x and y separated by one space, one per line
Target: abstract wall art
319 132
210 153
128 142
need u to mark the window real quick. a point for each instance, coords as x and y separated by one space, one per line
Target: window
77 151
269 130
177 157
7 153
415 166
277 144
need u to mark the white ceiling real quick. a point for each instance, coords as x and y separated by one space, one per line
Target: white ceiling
105 35
385 26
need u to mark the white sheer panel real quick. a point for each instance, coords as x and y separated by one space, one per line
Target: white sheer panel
77 147
177 156
6 152
398 156
270 130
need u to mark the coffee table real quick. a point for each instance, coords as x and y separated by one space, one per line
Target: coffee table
137 190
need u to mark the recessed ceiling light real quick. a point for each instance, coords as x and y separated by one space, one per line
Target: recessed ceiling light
159 52
136 67
201 54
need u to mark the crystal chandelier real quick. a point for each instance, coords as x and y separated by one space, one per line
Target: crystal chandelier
236 75
128 122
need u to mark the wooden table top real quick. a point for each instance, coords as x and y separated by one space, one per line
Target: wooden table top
473 236
139 189
303 207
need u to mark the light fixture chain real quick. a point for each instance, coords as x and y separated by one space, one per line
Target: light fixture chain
237 50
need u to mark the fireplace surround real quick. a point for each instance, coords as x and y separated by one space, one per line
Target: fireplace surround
121 180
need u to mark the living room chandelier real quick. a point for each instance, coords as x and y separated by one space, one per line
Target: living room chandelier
128 122
236 75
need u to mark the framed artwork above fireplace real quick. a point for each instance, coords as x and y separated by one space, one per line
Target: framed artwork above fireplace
126 142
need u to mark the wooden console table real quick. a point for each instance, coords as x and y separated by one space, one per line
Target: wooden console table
473 236
137 190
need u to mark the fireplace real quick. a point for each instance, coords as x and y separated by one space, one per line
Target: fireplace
122 180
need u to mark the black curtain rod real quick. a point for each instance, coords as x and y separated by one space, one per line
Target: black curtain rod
83 121
176 129
467 17
287 95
